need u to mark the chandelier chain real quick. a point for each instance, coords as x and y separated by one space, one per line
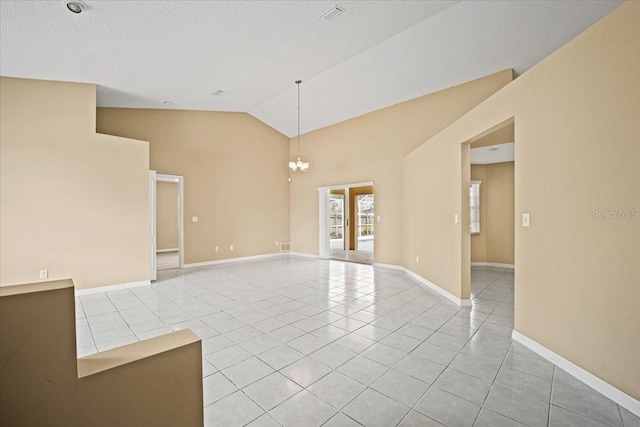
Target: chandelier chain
298 164
298 84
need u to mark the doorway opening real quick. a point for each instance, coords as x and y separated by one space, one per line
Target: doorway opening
166 224
347 227
488 176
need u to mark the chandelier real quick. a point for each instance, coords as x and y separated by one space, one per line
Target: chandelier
298 165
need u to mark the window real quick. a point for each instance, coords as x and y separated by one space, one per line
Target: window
474 194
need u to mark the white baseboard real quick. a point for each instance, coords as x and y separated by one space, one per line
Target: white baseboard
303 255
238 259
388 266
109 288
427 284
430 285
606 389
167 250
492 264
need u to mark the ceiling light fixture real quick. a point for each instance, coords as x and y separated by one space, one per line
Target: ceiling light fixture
217 92
298 165
74 6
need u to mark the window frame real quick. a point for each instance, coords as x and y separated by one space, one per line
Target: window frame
474 196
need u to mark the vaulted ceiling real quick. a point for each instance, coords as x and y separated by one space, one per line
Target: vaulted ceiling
176 54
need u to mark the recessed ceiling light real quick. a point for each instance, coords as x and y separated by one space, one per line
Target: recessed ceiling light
332 13
74 6
217 92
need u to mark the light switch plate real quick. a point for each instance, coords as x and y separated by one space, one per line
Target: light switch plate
194 219
525 219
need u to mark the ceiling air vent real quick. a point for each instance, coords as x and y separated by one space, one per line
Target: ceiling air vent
332 13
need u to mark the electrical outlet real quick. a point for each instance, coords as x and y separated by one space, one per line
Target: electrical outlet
44 274
231 247
194 219
217 249
417 259
378 218
277 243
455 219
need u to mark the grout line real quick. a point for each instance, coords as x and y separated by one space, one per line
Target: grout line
322 281
553 377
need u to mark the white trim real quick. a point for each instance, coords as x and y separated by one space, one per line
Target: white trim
323 226
109 288
492 264
153 268
167 250
475 208
599 385
339 187
427 284
346 231
438 289
238 259
388 266
165 177
304 255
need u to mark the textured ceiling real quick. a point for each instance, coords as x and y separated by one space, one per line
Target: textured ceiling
375 54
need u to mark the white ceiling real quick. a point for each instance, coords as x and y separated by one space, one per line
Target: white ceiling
375 54
499 153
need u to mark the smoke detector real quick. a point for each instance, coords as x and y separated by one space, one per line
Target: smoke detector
332 13
74 6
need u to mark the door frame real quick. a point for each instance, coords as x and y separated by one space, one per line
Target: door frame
323 215
152 226
175 179
465 206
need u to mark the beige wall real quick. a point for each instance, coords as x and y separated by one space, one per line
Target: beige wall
155 382
235 176
576 128
71 201
501 135
166 215
371 148
495 242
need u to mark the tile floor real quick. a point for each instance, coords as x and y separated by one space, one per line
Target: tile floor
304 342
